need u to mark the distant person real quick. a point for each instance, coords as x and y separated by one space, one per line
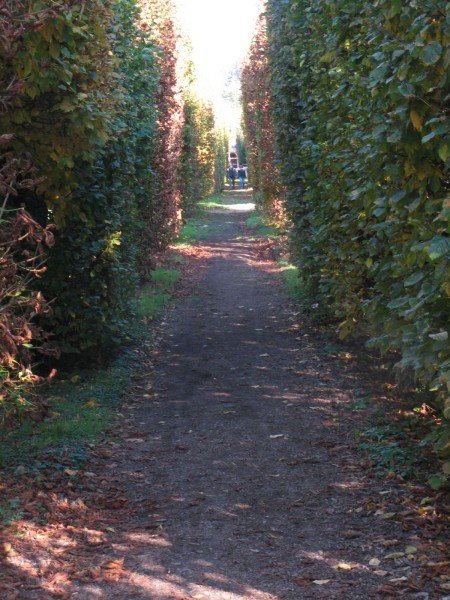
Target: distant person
231 174
241 175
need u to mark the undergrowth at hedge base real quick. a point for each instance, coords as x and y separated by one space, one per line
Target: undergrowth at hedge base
81 408
262 225
10 511
153 297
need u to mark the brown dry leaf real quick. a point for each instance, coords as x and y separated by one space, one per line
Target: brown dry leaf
301 580
387 590
388 543
95 572
116 563
7 547
71 472
197 501
351 534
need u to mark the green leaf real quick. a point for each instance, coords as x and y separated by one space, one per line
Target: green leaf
444 151
439 247
439 337
414 278
437 481
431 53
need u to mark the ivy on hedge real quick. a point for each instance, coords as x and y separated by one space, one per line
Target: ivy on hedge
361 110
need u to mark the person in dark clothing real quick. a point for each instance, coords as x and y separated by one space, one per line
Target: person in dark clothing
231 174
242 176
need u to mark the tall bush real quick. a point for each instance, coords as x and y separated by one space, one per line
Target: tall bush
363 134
220 159
198 156
61 67
92 269
22 240
259 130
162 213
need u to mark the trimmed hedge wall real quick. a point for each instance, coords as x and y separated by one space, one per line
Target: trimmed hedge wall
259 129
361 110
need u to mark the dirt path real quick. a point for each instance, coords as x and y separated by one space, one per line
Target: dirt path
231 478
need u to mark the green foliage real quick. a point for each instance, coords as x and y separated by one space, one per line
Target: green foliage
291 279
10 511
362 129
64 69
241 148
261 225
198 156
91 270
80 409
392 450
154 296
220 159
93 115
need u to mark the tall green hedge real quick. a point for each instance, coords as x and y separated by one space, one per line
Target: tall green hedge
85 114
91 270
361 111
221 159
198 155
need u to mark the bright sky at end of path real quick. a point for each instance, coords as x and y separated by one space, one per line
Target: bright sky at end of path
220 33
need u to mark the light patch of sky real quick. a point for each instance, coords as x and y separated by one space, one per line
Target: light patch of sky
220 32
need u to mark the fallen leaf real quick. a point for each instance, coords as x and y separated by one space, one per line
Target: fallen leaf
351 533
344 566
388 543
95 572
114 564
7 547
197 501
394 555
277 435
301 580
381 573
374 562
410 549
398 579
321 581
71 472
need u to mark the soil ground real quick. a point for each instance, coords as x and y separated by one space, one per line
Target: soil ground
231 474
